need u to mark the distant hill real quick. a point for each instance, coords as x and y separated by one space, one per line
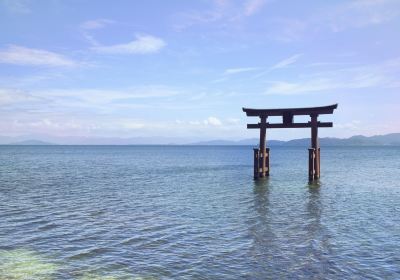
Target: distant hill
31 143
392 139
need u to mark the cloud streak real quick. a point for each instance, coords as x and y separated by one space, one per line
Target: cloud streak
286 62
334 18
383 75
281 64
232 71
143 44
13 96
253 6
96 24
35 57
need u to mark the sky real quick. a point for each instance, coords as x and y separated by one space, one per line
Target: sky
185 69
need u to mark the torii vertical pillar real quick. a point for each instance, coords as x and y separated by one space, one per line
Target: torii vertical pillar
314 151
263 152
261 155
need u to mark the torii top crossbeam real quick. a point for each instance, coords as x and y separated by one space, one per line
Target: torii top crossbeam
294 111
288 114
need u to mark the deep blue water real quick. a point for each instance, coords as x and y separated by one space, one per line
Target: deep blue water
183 212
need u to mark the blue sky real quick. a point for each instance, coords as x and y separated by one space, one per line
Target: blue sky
186 68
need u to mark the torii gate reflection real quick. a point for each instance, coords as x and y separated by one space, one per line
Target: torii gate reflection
261 155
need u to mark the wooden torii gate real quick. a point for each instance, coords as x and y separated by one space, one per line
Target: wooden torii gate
262 155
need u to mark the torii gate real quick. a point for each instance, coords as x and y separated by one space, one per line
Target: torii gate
261 155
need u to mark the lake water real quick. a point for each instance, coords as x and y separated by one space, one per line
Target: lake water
183 212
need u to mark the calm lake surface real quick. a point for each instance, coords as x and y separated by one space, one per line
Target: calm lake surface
183 212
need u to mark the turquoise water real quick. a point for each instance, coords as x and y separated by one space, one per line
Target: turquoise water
183 212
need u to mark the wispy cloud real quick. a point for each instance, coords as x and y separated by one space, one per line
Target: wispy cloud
334 18
95 24
26 56
360 13
253 6
279 65
222 12
143 44
13 96
262 71
78 98
309 86
16 6
287 61
383 75
92 96
325 84
231 71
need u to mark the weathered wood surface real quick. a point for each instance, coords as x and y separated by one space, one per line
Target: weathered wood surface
261 162
293 111
256 163
263 131
292 125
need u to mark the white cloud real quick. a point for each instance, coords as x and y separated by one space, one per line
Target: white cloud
354 124
96 24
379 75
288 88
286 62
210 121
13 96
143 44
213 121
25 56
84 100
360 13
231 71
281 64
345 80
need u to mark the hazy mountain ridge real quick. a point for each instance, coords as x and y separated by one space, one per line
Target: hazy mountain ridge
31 143
392 139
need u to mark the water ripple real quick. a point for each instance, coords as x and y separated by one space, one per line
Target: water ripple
195 213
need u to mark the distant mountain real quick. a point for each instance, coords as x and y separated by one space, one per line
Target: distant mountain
244 142
358 140
31 143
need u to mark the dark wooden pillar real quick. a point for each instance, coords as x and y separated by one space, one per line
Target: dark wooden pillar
315 146
267 164
311 169
263 131
256 163
319 160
